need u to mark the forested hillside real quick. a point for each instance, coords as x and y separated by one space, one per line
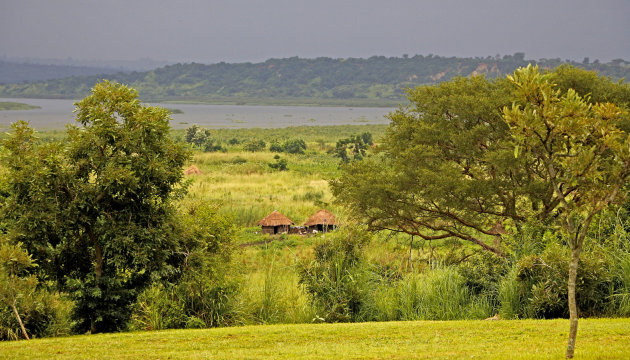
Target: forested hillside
12 72
377 80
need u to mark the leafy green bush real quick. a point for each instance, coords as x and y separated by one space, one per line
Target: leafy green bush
157 309
542 286
291 146
199 287
279 164
294 146
254 146
337 279
42 312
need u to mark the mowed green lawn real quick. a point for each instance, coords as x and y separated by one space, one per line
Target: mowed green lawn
516 339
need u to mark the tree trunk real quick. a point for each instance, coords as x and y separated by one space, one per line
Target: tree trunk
98 271
19 319
573 311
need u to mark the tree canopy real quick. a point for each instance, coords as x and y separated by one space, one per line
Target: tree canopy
446 167
94 211
471 156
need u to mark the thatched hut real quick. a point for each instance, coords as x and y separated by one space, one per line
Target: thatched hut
275 223
322 221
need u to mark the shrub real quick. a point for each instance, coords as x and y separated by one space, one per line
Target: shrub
255 145
542 283
279 164
276 147
200 287
294 146
41 311
337 279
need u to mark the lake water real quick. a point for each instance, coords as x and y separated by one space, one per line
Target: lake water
54 114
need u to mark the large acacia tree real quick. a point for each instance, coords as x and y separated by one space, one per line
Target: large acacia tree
94 210
446 166
472 153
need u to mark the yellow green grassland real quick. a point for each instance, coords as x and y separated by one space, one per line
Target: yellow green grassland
515 339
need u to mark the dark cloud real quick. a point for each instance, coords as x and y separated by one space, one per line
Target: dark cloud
212 31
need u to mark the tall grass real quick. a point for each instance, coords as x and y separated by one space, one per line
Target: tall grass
621 298
510 295
250 190
272 295
439 294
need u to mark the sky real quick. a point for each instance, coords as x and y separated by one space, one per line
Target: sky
212 31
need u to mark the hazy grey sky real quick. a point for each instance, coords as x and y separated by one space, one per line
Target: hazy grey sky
238 30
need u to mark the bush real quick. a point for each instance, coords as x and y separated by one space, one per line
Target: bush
255 145
157 308
337 279
276 147
542 285
280 164
238 160
295 146
292 146
41 311
200 287
45 314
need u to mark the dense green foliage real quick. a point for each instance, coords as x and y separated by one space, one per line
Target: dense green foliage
378 80
447 165
94 211
353 147
291 146
201 139
27 310
207 265
471 156
201 292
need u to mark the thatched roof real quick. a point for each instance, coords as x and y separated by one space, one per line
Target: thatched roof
275 219
322 217
192 169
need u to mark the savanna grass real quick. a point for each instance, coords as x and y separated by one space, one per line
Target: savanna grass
247 189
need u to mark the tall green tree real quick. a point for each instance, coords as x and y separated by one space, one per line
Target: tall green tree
470 154
446 166
95 209
581 152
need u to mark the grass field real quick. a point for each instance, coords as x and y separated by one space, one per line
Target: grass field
515 339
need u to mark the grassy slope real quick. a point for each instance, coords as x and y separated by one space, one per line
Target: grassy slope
517 339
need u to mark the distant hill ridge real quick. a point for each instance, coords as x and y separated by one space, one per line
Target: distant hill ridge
14 72
376 80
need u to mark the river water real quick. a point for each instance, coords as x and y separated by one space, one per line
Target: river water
54 114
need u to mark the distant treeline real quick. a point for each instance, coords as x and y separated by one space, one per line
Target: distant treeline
12 72
377 80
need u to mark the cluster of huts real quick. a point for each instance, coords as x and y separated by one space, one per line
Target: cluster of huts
277 223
